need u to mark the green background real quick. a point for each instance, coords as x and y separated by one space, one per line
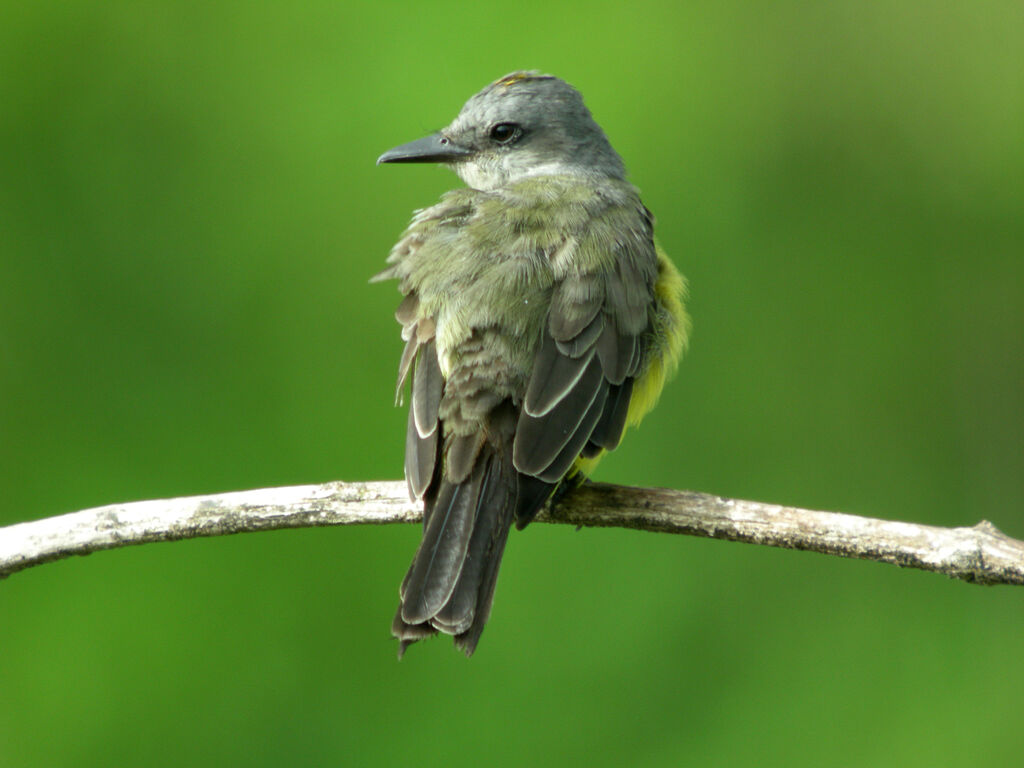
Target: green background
189 213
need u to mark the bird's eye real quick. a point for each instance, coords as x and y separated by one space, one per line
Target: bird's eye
505 133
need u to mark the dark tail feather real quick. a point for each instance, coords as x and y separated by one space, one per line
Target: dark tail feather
485 593
450 584
435 569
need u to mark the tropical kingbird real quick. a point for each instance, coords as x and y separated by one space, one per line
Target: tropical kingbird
540 320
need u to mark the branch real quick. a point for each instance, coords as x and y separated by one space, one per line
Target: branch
979 554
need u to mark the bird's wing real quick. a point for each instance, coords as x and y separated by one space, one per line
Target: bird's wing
419 359
591 349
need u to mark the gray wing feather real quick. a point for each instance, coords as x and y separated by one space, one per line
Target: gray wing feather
540 439
561 463
554 376
608 430
421 438
615 350
420 458
574 304
584 340
427 386
404 366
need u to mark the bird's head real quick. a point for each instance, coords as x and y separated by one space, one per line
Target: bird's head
525 124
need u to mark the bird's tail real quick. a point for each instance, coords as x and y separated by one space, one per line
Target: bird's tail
450 584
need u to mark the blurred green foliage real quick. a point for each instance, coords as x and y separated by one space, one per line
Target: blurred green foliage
189 212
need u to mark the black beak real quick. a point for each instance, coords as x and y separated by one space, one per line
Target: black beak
430 149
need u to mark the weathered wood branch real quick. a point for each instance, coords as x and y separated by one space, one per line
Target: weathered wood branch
979 554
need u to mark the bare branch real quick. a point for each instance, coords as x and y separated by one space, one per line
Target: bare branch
979 554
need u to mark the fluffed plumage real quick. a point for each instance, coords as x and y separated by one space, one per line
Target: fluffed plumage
540 319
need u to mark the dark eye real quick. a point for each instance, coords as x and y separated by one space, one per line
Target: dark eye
505 133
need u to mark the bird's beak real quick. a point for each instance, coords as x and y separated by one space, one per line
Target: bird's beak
430 149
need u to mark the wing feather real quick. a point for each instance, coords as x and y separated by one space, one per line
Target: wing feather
608 430
560 464
427 386
554 376
421 438
420 458
584 340
574 305
540 439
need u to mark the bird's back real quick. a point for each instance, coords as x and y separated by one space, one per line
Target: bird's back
529 314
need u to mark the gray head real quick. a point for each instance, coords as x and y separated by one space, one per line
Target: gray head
525 124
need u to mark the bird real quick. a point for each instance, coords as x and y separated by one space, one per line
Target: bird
540 319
